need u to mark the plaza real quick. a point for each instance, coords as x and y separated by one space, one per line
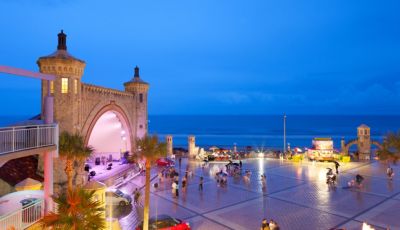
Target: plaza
296 197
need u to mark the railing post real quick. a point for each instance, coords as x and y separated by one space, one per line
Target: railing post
37 135
13 139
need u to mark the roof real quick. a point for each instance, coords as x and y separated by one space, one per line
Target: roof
363 126
28 182
61 54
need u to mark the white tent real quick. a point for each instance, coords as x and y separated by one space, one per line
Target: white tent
28 184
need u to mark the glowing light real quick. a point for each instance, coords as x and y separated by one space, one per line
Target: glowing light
123 132
124 138
365 226
261 155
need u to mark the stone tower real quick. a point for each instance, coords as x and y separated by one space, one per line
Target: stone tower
191 146
66 88
139 88
364 141
168 139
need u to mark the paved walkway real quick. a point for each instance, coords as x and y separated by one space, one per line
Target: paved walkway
296 197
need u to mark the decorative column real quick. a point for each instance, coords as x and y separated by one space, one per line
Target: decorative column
48 156
168 139
343 146
191 146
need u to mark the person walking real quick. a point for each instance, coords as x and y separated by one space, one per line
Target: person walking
240 164
337 166
180 161
389 172
177 189
201 184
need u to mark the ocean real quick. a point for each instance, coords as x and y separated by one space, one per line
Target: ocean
259 131
266 131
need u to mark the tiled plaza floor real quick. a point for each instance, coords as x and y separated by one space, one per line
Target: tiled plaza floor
296 197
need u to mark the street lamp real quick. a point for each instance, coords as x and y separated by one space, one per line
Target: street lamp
284 133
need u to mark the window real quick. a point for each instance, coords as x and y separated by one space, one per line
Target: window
51 87
64 85
141 97
75 86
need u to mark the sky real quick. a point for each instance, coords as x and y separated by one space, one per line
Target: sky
215 56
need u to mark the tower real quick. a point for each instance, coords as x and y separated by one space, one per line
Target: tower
364 141
168 139
66 88
191 146
139 88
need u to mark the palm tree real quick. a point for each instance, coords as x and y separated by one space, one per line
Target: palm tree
72 148
390 150
76 209
151 150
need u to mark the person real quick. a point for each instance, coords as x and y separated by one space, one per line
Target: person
263 181
240 163
273 225
264 225
136 196
177 189
174 188
201 184
183 182
330 177
180 161
337 166
160 176
389 172
359 179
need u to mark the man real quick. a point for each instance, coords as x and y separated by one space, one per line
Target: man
337 166
201 184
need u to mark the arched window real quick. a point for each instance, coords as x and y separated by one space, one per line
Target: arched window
64 85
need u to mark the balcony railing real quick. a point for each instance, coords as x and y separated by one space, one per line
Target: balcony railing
23 218
18 138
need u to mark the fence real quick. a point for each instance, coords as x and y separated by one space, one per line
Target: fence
18 138
23 218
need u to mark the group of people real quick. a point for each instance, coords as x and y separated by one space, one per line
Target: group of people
271 225
358 179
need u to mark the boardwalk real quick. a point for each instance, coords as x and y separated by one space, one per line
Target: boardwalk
296 197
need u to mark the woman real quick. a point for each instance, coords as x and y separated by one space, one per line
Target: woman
264 225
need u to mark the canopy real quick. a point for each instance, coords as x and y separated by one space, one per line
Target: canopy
28 184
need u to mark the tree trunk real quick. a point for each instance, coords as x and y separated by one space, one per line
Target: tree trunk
147 197
69 168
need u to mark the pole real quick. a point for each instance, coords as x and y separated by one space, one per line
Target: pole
284 133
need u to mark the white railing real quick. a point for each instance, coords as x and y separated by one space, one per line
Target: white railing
23 218
18 138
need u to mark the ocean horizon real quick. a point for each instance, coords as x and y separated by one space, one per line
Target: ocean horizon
259 131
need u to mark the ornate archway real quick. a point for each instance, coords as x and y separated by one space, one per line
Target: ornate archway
109 134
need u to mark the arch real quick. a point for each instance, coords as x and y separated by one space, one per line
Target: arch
112 107
348 145
377 144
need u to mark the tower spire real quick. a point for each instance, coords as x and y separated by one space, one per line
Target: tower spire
62 41
136 72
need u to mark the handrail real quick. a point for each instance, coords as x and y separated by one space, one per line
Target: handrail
24 217
18 138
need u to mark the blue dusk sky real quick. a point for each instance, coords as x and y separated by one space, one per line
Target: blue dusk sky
215 56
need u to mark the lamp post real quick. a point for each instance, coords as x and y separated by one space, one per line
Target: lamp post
284 133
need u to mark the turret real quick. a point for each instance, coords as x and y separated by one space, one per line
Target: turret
66 88
139 88
364 141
